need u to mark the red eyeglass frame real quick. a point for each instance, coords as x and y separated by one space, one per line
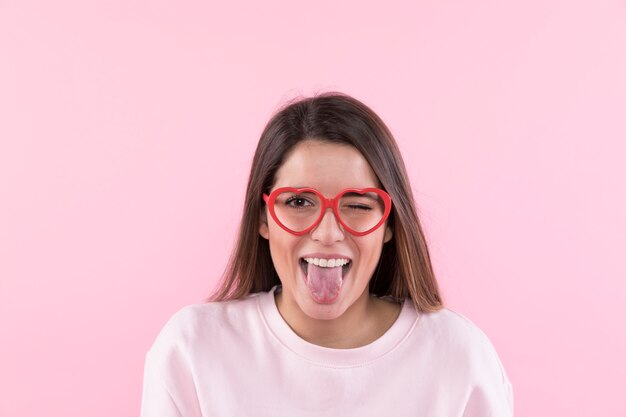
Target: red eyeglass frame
327 203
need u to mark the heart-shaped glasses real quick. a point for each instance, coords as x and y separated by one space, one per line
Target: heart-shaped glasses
359 210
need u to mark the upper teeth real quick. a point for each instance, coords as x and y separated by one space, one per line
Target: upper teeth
327 263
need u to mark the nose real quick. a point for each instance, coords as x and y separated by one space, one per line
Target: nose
329 230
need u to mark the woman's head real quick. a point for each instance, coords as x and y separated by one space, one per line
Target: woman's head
331 142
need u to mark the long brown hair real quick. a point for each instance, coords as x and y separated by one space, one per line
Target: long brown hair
404 269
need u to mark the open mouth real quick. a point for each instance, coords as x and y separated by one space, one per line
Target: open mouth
324 277
344 263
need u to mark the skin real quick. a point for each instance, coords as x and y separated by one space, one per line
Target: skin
356 318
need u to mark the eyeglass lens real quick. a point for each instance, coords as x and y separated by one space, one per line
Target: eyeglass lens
298 211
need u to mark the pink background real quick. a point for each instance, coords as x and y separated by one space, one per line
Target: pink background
127 129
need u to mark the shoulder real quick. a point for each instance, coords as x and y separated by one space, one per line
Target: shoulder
454 326
463 343
197 325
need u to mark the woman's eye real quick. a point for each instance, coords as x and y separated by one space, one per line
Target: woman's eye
298 202
359 207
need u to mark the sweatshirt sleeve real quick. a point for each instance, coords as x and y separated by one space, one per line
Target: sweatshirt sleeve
489 392
169 388
156 400
492 401
492 392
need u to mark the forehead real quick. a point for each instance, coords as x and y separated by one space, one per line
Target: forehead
328 167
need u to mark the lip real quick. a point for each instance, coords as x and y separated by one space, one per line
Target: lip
326 256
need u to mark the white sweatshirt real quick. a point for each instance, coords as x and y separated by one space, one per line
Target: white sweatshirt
240 358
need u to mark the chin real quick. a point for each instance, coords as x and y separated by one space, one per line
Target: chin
320 311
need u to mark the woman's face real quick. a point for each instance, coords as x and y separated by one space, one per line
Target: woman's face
329 168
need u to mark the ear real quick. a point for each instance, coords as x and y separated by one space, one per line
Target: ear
264 230
388 234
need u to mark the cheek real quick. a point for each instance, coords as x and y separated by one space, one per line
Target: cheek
370 252
283 250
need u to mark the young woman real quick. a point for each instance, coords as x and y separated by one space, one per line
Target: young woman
329 305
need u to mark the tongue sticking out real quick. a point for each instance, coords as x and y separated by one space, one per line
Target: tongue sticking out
324 283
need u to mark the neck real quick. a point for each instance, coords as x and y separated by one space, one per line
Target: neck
364 321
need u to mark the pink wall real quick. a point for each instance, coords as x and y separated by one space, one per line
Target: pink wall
127 129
